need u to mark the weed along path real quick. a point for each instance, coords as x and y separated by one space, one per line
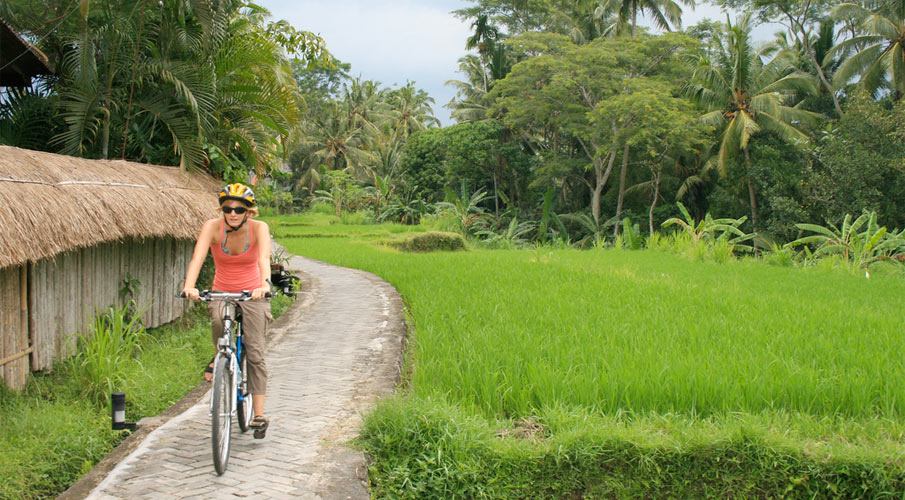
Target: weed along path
330 356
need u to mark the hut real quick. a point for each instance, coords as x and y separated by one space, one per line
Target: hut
20 61
74 230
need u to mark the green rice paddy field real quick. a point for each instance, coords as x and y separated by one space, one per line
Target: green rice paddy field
616 374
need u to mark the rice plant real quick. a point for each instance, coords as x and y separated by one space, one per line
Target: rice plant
512 332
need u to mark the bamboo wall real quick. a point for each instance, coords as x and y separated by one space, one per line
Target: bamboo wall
63 294
14 341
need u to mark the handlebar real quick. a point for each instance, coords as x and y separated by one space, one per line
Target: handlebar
209 296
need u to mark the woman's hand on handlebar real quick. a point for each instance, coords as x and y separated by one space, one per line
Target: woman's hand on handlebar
260 293
191 294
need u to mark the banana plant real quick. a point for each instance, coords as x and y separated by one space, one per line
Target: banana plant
512 237
466 210
858 248
710 229
595 233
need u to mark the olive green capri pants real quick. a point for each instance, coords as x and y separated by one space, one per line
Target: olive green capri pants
256 319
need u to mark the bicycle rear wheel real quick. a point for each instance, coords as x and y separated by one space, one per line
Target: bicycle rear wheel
246 410
221 420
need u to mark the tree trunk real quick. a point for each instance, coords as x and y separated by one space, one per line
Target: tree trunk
751 196
496 197
600 177
621 195
634 18
653 203
105 134
806 42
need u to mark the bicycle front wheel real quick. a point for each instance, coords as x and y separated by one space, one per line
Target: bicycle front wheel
221 414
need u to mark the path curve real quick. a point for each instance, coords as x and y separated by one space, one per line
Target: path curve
330 356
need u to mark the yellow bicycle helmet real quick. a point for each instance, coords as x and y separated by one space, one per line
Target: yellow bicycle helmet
238 191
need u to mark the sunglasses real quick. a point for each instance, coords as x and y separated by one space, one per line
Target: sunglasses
237 210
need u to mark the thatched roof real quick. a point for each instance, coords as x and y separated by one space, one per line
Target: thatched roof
53 203
19 60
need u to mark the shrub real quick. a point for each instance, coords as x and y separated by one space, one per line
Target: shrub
444 222
106 350
780 256
321 207
430 242
359 218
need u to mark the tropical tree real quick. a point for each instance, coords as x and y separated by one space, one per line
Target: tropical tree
471 101
806 22
338 143
663 13
484 37
744 93
557 98
189 81
410 110
878 49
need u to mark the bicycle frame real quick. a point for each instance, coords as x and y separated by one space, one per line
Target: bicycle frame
229 345
232 387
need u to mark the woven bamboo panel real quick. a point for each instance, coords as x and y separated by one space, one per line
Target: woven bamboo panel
14 343
68 291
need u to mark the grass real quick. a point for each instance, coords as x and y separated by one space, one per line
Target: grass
642 364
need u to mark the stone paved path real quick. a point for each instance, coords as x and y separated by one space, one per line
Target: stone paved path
331 355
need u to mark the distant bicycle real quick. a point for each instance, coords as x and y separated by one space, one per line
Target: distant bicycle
229 395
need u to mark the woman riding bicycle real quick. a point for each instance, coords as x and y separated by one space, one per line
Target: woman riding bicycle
240 247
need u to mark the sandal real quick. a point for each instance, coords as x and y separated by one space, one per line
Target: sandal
259 424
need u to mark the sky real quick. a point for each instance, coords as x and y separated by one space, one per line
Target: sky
396 41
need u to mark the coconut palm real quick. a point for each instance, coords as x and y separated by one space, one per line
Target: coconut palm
410 110
811 55
743 95
663 13
366 104
878 50
471 102
337 142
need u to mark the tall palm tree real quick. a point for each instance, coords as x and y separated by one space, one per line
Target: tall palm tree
743 95
485 36
811 54
663 13
878 49
410 110
470 103
366 104
337 141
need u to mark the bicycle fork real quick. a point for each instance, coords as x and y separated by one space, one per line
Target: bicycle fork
233 368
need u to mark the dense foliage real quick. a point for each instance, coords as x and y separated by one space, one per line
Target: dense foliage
574 96
620 122
189 82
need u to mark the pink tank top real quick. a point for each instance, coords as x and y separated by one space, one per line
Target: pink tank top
234 273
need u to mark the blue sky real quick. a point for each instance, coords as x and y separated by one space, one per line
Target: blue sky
394 41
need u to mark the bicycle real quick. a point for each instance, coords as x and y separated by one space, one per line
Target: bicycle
229 393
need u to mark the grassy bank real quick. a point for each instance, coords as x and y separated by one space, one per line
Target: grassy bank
53 432
610 373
